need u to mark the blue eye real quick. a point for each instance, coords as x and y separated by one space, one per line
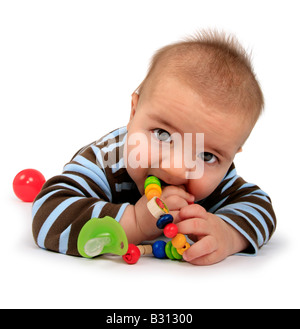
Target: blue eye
162 135
208 157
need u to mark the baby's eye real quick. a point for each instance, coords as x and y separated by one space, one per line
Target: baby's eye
162 135
208 157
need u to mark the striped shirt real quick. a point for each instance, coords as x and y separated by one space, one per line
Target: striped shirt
95 183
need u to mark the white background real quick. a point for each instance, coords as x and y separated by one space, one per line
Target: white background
67 70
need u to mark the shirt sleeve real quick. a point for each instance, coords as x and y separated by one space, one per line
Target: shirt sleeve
67 201
244 206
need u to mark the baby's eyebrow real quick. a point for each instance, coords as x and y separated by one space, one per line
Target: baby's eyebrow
163 121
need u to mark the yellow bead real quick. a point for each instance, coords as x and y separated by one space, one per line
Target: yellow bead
179 241
152 190
183 249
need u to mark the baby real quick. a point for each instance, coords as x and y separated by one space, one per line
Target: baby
204 86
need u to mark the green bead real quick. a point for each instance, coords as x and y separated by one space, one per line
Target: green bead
168 250
151 180
175 253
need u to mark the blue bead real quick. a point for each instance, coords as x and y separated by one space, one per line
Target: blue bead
158 249
164 220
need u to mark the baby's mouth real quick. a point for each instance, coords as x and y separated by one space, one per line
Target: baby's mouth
163 183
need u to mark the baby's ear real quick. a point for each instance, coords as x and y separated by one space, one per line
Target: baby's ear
134 103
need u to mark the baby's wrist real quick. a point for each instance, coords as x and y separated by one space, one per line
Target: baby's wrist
239 242
136 222
130 226
145 222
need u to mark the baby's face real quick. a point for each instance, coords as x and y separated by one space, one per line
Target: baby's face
164 114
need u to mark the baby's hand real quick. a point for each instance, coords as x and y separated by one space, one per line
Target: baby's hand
214 238
175 197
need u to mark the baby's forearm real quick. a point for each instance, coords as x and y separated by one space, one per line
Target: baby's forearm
130 226
138 223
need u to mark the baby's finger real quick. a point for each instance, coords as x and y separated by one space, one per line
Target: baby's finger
192 211
206 260
179 191
175 215
195 226
175 202
203 247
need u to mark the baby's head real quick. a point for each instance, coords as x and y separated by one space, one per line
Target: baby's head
204 85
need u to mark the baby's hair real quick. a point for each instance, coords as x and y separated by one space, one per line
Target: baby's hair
216 66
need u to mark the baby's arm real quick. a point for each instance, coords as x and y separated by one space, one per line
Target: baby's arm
67 202
87 188
239 219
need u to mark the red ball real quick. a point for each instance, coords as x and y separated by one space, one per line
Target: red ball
170 230
27 184
133 254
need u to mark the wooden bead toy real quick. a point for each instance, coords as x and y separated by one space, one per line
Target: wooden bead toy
175 253
145 249
133 254
158 249
164 220
152 187
170 230
183 249
157 207
168 250
152 180
152 190
171 252
152 193
179 241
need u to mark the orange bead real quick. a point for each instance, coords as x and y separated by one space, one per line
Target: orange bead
152 187
152 193
179 241
183 249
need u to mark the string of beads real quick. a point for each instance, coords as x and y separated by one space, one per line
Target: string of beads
173 249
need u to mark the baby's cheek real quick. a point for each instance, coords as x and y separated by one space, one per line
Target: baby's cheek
203 187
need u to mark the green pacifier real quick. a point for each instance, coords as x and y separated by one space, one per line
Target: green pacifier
100 236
